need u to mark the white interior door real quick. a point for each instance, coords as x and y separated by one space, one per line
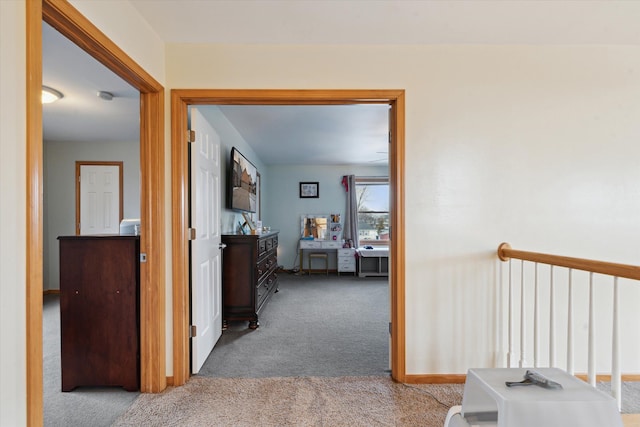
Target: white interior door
206 256
99 199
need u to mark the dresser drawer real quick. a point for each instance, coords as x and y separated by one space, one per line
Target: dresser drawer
310 244
346 262
346 252
265 266
331 245
262 247
265 287
347 268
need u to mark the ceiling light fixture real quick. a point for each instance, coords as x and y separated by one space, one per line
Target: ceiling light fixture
50 95
107 96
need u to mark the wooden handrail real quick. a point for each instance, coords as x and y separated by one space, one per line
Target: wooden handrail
612 269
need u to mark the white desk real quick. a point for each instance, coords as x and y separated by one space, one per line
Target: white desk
318 246
488 401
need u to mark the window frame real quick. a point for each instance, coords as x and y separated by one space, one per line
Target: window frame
377 180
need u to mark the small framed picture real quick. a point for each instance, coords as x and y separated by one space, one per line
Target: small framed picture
309 190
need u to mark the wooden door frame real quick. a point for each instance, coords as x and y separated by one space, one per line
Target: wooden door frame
69 22
181 99
79 164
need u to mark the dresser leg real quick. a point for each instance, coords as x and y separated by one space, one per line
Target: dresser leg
253 324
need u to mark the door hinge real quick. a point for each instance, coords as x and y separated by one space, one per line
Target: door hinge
192 234
143 257
390 328
193 331
191 136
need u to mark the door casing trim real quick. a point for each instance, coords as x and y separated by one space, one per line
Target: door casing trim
181 99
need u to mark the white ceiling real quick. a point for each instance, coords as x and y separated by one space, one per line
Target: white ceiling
80 115
314 134
394 21
276 133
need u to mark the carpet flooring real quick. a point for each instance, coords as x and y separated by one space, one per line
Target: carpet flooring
300 402
314 326
319 358
84 406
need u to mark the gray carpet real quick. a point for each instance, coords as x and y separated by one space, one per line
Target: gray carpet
311 327
630 395
85 406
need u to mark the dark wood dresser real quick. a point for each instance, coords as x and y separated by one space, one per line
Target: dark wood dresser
249 276
99 311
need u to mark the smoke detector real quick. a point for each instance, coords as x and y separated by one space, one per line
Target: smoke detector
107 96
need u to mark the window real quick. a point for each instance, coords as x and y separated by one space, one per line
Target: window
373 210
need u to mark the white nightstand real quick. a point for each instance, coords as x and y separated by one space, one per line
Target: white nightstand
347 260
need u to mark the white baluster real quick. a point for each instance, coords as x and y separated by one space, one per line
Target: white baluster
536 319
592 336
510 325
570 328
552 324
616 380
523 323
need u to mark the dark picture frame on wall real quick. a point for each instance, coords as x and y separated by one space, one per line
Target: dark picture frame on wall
242 183
309 190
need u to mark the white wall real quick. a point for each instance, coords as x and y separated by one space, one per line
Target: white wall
12 215
535 145
284 207
59 191
120 21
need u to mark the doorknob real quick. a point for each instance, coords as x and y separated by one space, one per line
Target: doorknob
222 246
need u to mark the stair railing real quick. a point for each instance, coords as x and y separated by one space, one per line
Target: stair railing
506 253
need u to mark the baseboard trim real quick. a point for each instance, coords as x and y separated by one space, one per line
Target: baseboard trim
461 378
51 292
170 381
607 377
631 420
435 379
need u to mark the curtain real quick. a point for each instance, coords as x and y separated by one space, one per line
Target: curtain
351 220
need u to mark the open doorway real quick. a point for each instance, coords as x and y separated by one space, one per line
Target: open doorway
328 324
181 100
66 19
91 141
